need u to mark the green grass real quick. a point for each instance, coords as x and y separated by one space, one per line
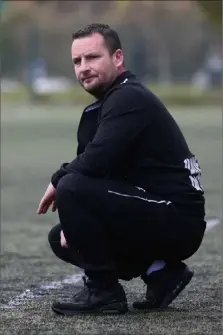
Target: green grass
35 140
175 94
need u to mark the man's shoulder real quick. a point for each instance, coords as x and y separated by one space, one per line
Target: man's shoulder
131 92
128 89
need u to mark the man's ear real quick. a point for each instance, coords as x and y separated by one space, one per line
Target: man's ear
119 57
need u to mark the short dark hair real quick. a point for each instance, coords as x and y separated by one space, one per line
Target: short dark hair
110 36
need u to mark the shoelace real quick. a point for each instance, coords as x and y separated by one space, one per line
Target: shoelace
85 291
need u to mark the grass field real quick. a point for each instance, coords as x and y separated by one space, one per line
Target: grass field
34 142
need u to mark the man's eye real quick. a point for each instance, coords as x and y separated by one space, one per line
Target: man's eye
76 61
92 56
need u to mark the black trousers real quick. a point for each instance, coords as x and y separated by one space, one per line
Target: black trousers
117 228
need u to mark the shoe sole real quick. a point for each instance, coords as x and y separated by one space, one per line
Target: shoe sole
170 296
116 308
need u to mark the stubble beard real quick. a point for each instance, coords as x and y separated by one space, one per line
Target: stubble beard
97 90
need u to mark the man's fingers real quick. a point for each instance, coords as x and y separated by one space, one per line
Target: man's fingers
42 210
63 241
43 207
64 244
47 200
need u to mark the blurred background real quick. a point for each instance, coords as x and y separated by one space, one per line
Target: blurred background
170 45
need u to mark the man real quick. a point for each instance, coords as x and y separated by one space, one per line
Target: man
130 204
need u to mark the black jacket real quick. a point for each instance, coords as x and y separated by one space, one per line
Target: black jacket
129 135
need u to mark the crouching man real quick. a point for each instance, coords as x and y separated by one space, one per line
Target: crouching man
131 203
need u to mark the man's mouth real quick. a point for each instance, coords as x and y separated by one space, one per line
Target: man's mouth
87 78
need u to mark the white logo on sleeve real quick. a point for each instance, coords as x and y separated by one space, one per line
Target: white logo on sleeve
195 172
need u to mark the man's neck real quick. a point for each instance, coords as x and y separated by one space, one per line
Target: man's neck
115 80
123 70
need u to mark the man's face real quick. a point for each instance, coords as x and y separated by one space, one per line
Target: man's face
94 67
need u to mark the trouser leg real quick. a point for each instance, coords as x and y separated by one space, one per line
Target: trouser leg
126 269
105 220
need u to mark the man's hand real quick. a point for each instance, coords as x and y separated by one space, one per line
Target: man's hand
63 241
47 200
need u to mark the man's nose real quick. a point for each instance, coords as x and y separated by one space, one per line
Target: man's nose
84 66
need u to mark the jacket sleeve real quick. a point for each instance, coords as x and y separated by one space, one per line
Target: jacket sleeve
123 119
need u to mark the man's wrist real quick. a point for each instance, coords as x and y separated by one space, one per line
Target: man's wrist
58 175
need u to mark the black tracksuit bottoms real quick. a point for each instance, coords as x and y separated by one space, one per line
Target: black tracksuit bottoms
119 229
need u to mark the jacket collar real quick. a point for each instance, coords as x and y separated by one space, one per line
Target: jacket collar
124 76
121 79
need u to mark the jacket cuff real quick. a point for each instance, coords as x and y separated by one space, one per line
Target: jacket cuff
58 175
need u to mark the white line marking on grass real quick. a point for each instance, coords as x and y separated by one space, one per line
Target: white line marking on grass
43 289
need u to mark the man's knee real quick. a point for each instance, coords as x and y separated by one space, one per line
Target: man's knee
61 252
54 241
69 186
54 236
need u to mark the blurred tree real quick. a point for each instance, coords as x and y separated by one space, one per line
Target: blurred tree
8 47
213 10
13 43
41 2
2 5
165 40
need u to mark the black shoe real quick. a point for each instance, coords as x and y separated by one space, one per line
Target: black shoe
94 299
164 286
